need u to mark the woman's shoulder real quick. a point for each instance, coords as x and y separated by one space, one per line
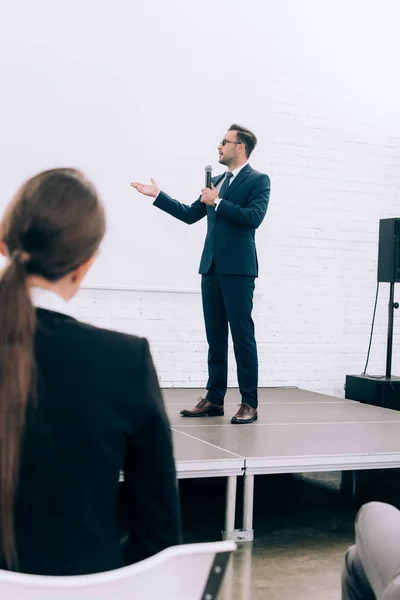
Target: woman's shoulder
84 335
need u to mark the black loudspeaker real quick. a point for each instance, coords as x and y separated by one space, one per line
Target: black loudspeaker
389 250
370 390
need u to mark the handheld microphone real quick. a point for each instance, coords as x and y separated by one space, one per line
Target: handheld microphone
208 170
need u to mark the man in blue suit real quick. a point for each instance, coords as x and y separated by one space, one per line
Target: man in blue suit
235 207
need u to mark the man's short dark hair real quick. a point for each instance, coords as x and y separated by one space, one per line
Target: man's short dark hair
246 137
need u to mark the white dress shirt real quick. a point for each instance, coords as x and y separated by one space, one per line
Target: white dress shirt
49 300
235 173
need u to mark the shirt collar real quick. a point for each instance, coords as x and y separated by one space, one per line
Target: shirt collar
236 171
49 300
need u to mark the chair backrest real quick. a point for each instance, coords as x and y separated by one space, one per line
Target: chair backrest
392 592
186 572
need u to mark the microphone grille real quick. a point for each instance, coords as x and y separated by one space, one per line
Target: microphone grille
208 168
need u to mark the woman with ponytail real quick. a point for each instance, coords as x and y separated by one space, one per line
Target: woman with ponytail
78 404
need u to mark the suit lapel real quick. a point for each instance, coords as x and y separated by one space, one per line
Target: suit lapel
245 172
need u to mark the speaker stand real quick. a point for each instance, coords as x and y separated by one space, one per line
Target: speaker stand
392 306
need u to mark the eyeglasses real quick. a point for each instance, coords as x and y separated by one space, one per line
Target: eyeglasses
224 142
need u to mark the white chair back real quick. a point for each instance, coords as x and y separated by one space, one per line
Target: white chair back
186 572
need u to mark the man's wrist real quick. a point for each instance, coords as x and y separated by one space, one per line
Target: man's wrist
216 202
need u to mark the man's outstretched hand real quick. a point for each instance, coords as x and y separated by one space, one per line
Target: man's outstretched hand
147 189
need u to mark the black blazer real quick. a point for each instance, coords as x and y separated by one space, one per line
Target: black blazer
99 410
230 239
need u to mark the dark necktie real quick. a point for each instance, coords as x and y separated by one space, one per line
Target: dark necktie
225 185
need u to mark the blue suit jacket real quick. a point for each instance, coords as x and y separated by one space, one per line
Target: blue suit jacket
230 239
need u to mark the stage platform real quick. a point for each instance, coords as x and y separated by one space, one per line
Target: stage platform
297 432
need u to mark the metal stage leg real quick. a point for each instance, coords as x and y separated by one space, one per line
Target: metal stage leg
248 507
230 510
246 534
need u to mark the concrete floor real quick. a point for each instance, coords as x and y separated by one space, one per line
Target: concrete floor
303 527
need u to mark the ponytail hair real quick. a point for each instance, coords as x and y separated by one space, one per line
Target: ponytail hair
17 325
53 225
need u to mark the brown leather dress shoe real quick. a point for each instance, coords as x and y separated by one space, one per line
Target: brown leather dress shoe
204 408
245 414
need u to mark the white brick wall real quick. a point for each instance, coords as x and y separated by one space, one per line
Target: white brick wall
332 180
309 336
